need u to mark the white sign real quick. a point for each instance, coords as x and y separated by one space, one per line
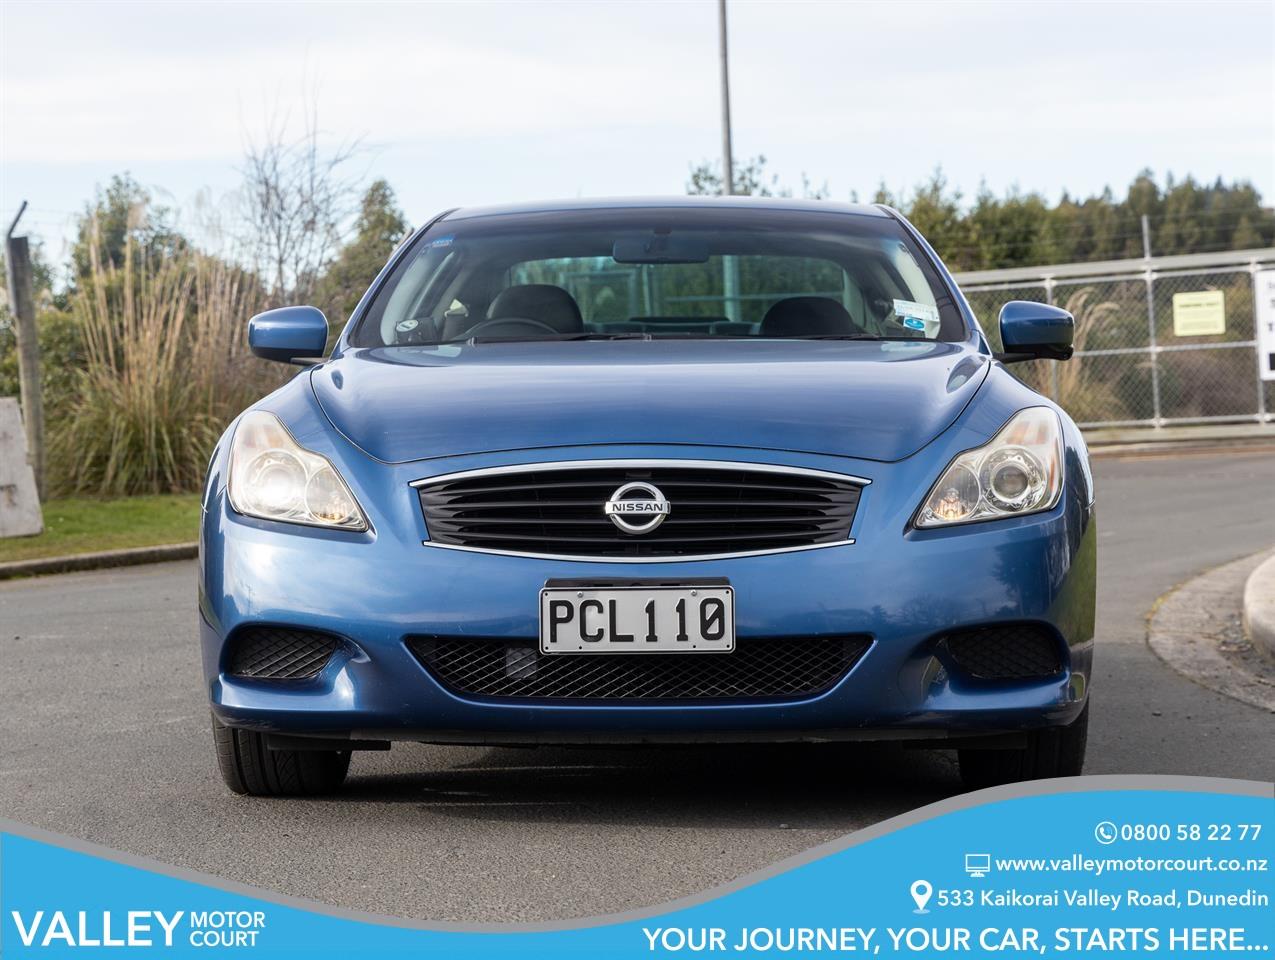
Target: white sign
1264 315
19 505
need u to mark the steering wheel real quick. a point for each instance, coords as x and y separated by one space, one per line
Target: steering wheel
525 323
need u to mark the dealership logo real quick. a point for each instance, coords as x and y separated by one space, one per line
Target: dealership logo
637 507
139 928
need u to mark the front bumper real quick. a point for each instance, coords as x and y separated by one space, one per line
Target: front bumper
904 588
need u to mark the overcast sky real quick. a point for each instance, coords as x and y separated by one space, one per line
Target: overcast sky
484 102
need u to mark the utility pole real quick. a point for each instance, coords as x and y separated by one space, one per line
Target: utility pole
1146 236
730 264
728 164
22 305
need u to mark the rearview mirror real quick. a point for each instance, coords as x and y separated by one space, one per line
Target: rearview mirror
289 335
1035 331
656 247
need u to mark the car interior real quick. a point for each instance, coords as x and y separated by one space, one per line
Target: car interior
449 296
542 308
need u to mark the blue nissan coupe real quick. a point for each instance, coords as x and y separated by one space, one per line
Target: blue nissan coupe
697 470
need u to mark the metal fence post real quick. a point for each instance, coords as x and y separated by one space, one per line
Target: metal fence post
1257 350
1053 367
1155 353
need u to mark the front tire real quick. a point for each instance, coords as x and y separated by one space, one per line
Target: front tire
250 767
1056 752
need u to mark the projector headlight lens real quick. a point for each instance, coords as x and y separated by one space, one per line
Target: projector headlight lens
1018 472
275 478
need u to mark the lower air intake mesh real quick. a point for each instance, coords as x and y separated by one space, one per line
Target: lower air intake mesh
1014 652
756 670
279 653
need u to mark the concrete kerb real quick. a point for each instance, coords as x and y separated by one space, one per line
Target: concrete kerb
99 560
1259 608
1195 629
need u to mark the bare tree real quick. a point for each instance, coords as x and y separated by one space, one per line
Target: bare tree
751 180
297 199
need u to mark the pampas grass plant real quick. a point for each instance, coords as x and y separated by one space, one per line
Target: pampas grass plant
166 368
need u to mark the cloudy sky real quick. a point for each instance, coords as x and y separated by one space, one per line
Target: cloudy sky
484 102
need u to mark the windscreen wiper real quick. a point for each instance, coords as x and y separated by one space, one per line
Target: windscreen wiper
559 338
854 336
648 335
592 335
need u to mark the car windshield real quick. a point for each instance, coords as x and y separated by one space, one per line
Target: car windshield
684 273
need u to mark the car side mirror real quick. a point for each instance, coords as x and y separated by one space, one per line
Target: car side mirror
1035 331
289 335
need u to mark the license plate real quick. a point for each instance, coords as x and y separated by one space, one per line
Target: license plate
637 620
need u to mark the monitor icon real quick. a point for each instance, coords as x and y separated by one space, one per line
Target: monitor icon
978 864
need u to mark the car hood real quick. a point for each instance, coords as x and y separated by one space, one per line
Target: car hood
869 400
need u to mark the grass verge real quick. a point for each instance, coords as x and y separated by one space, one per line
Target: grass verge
86 526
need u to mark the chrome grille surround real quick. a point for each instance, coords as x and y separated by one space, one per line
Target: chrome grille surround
787 509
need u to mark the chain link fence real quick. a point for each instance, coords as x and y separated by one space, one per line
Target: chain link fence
1157 341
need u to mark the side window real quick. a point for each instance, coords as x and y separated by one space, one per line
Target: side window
853 300
605 291
406 302
765 280
898 277
606 296
917 288
737 287
744 287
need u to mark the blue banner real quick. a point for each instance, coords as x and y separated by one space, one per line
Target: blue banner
1092 866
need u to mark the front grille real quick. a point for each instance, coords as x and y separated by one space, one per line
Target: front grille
558 510
279 653
1017 651
756 670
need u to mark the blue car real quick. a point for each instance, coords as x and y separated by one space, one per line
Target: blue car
699 470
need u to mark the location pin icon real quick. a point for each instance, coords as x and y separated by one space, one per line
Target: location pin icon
921 891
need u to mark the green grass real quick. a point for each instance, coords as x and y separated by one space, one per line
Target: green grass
85 526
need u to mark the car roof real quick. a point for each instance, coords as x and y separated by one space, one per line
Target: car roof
756 204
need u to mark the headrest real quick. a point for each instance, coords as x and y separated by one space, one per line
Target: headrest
807 317
539 301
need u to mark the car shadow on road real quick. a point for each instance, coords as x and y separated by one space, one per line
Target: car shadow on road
800 786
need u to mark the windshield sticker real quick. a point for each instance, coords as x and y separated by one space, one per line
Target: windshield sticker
442 241
917 316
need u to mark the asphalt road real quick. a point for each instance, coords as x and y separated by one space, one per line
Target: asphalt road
105 737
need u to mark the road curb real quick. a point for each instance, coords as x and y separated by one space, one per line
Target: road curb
1259 608
99 560
1195 629
1162 449
1180 441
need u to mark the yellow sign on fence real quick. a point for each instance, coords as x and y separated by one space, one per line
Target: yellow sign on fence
1200 313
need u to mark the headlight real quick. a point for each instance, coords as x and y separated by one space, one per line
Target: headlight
1018 471
273 477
